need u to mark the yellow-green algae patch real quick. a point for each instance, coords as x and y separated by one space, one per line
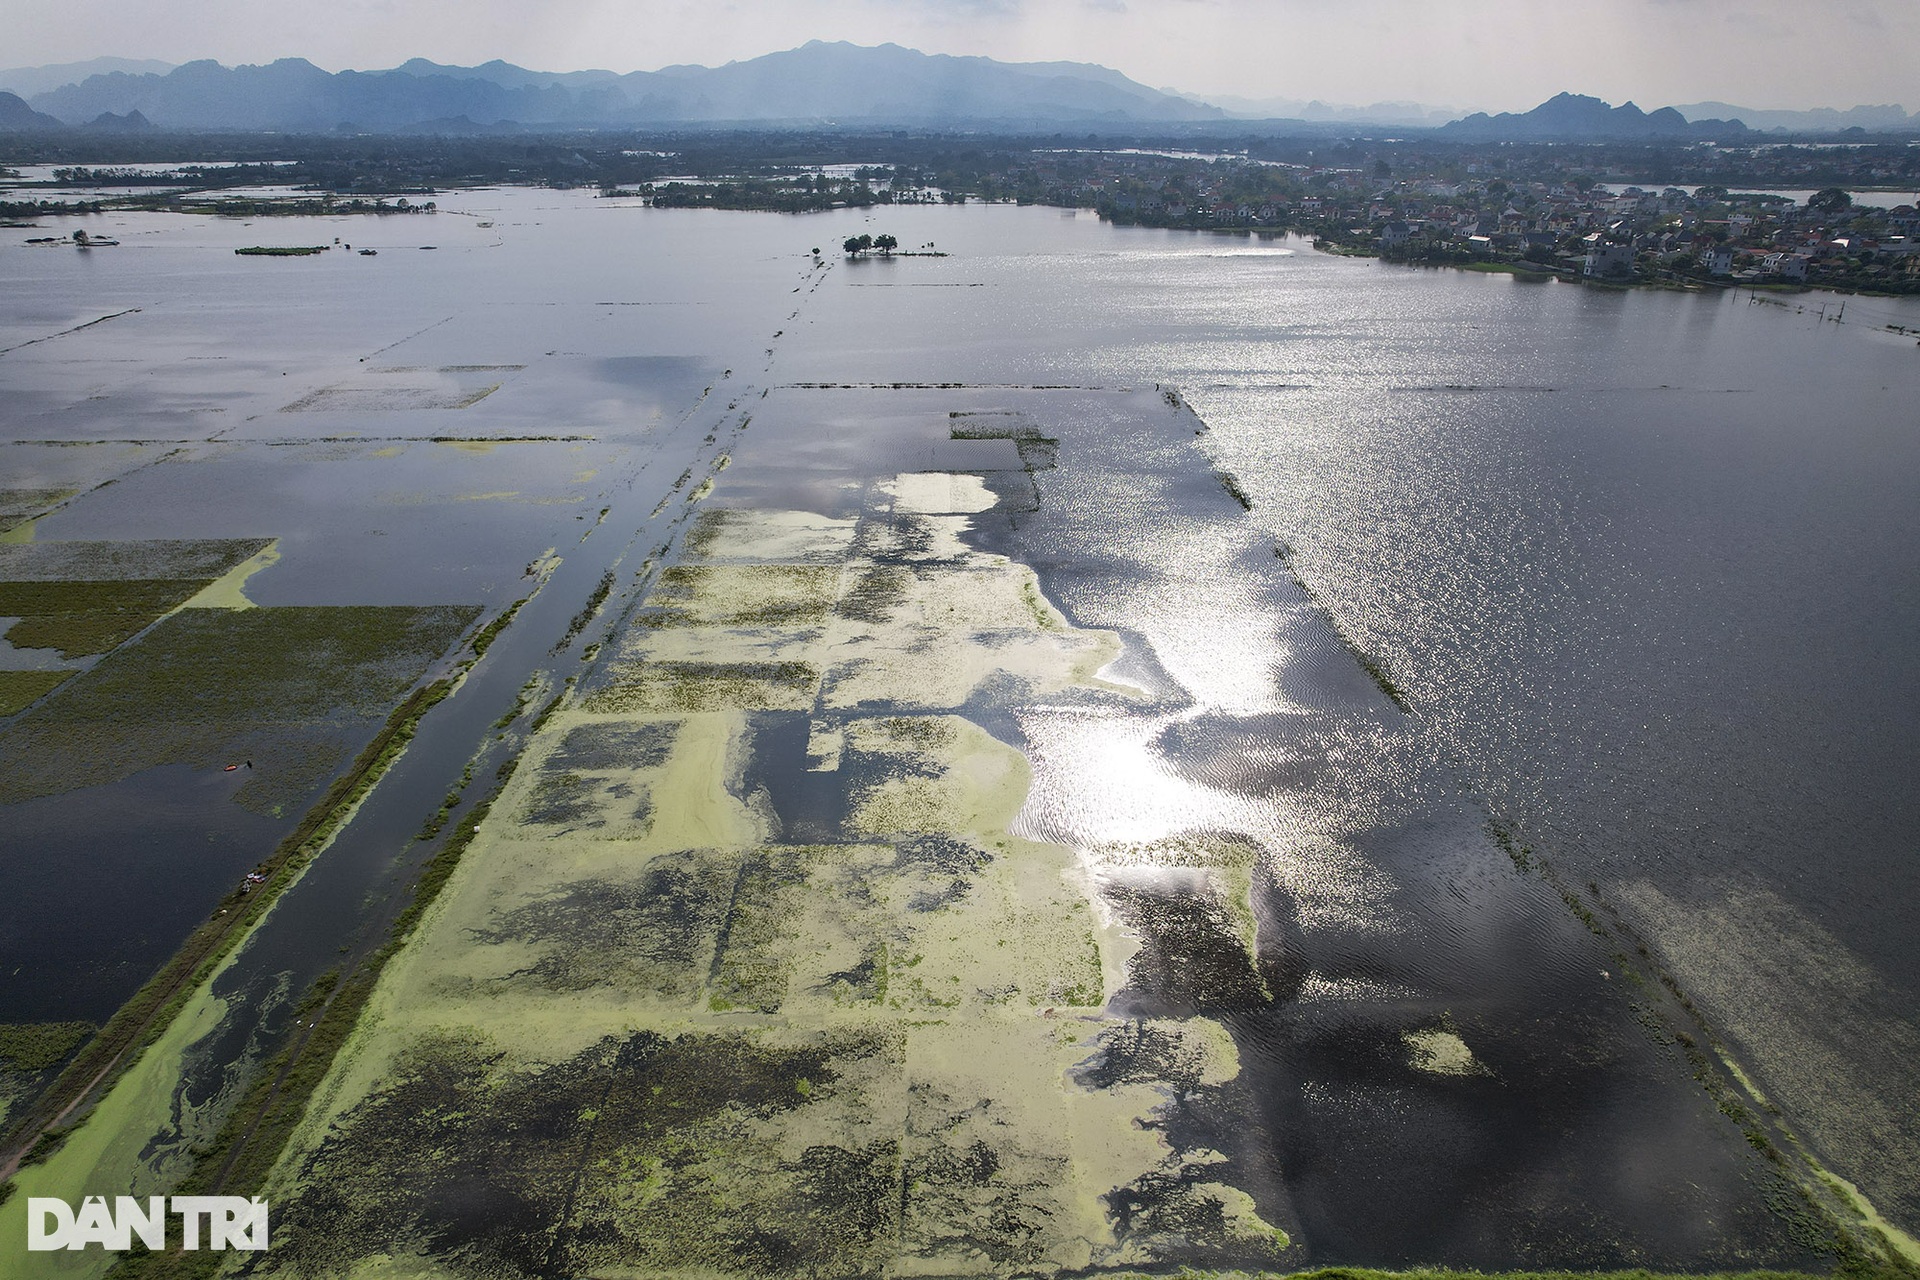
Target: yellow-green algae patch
1440 1051
1902 1244
108 1155
929 635
686 1045
230 590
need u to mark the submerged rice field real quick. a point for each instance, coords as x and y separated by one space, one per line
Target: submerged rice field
867 1038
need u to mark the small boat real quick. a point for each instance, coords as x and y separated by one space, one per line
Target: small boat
368 253
230 768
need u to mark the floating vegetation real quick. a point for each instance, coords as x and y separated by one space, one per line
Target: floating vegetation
1440 1051
724 535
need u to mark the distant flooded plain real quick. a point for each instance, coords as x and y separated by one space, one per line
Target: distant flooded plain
1397 717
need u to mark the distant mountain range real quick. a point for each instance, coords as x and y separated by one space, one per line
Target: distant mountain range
17 117
1883 119
1571 117
816 84
28 81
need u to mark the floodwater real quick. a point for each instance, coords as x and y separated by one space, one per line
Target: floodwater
1640 566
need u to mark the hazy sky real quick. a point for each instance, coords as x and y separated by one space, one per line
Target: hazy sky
1474 54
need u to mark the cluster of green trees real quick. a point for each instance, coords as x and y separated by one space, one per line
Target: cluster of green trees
857 245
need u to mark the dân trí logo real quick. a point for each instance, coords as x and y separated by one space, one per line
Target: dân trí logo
206 1222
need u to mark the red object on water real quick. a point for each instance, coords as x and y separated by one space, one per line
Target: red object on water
230 768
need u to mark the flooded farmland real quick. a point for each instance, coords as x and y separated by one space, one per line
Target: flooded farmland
1102 751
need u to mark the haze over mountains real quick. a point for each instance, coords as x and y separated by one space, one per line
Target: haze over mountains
1570 116
818 83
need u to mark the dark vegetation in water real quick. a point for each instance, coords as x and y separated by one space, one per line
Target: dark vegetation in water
1038 451
642 745
30 1054
1192 958
705 686
84 598
1142 1052
83 618
35 1046
289 687
655 932
872 596
577 803
21 689
640 1152
1231 483
18 505
483 639
87 561
582 619
949 867
1375 668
